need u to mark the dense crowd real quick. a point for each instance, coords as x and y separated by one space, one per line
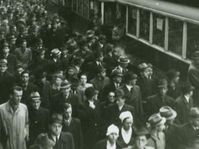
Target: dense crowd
60 89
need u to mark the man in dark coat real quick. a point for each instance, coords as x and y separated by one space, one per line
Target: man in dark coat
6 81
65 96
155 102
120 106
184 103
38 117
63 140
189 132
115 83
72 125
193 76
132 93
27 86
12 61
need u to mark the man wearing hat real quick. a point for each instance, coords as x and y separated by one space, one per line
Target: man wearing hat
115 83
112 134
146 83
54 63
38 116
193 76
155 102
141 138
6 81
123 62
11 58
189 132
156 124
62 140
184 103
132 92
170 126
65 96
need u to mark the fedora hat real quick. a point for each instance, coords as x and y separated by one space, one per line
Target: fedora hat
116 73
129 76
194 113
141 131
195 55
123 60
156 119
65 84
168 113
56 118
35 95
142 66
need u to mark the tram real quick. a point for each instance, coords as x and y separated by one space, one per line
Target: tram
167 33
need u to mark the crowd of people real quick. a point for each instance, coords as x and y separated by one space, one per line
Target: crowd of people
60 89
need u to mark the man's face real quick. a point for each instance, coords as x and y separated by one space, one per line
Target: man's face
140 142
3 68
133 82
111 97
36 103
25 77
16 97
58 81
66 90
68 113
120 100
6 50
113 137
160 127
163 91
24 45
83 79
195 122
118 79
56 129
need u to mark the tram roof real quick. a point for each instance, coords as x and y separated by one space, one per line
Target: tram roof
179 11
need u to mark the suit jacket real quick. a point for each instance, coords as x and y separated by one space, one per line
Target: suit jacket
65 141
6 82
155 102
183 109
134 98
102 144
75 129
38 120
186 134
59 100
114 112
193 76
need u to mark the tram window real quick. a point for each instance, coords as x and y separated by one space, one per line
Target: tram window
158 30
109 13
80 7
86 8
192 39
175 36
75 5
144 24
132 19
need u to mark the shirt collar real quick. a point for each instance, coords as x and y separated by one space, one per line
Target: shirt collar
110 146
187 98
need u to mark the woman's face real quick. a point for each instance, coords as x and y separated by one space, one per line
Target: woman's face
127 123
